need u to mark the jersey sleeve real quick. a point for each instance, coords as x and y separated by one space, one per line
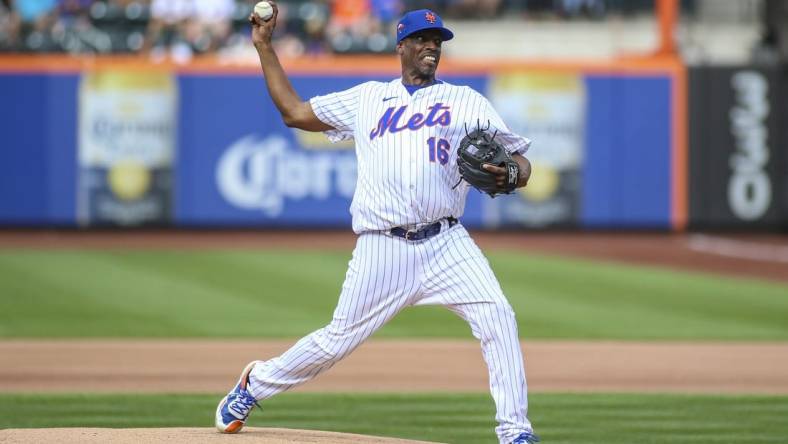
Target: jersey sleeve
514 143
339 110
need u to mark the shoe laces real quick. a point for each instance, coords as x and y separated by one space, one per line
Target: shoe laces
526 438
243 403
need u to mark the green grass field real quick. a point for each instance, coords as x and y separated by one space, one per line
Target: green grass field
457 419
287 294
274 294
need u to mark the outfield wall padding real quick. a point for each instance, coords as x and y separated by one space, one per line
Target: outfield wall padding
97 147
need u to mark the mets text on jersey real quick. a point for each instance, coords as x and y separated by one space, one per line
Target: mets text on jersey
390 119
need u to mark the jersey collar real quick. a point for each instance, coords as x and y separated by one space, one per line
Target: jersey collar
413 88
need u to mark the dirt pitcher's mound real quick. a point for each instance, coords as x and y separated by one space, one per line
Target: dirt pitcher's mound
190 435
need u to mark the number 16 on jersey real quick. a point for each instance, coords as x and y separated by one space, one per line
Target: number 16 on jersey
439 150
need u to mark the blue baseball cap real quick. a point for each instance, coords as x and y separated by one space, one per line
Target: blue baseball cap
415 21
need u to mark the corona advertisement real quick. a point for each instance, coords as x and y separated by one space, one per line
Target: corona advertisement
548 108
127 127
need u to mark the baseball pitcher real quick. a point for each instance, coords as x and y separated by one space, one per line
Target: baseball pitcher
421 143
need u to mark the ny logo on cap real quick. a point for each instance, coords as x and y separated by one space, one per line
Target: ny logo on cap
400 27
430 17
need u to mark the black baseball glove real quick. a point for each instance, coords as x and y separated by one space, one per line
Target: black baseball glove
478 148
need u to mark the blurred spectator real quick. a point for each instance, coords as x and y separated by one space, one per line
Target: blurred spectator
181 28
34 20
9 26
773 46
39 13
574 8
315 16
350 23
387 11
473 9
210 24
286 40
74 31
78 9
363 25
166 30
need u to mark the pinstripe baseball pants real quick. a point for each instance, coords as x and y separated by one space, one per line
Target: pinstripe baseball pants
387 274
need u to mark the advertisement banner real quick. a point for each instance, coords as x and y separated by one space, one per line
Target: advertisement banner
735 159
127 123
548 108
244 167
123 147
262 173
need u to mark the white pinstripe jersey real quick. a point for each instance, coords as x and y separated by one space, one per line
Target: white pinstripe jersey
406 148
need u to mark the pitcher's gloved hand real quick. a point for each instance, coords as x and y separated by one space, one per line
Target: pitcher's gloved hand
478 149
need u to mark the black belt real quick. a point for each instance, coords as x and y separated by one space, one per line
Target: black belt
424 233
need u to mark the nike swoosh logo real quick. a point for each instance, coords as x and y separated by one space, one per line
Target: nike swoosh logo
386 99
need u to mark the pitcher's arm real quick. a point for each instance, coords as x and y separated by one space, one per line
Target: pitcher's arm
295 112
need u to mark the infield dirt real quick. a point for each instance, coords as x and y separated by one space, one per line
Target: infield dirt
395 366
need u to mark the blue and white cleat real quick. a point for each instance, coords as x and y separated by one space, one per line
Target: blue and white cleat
526 438
233 410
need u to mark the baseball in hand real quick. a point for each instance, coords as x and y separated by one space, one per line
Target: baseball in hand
264 10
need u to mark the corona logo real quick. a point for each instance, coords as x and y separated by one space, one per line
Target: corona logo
254 174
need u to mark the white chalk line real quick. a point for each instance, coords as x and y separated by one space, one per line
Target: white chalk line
738 249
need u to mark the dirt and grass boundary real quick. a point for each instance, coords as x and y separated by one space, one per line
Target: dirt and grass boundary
157 366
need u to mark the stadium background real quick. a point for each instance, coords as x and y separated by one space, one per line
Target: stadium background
155 211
